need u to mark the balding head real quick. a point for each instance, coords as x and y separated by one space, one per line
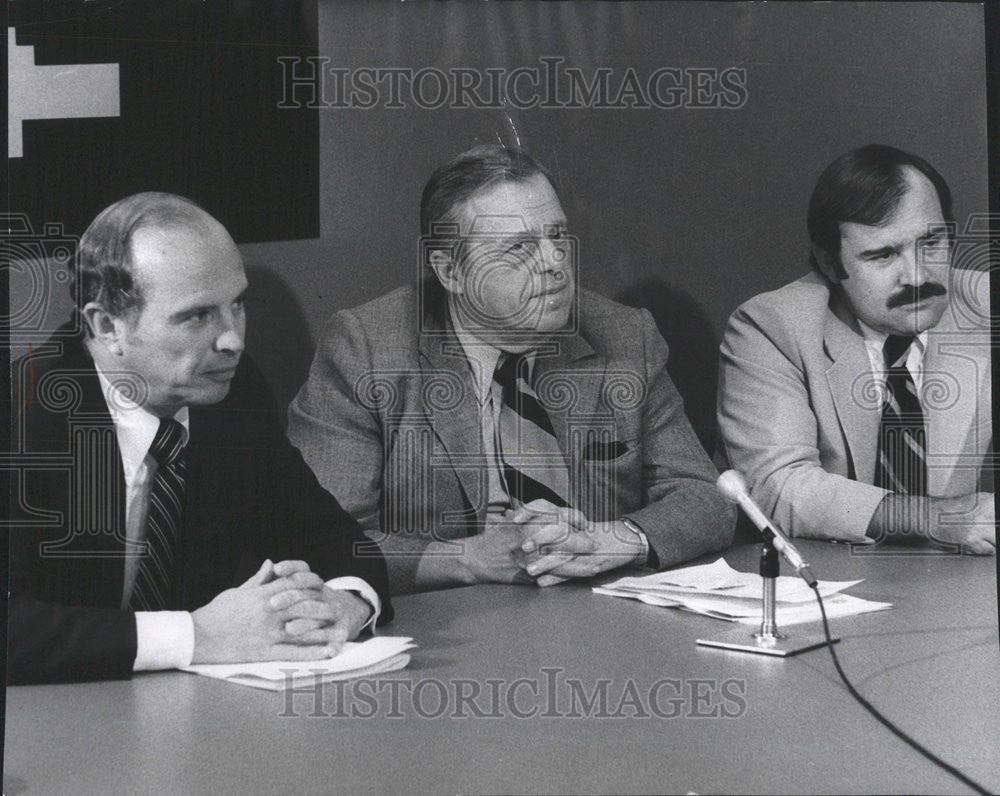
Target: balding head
105 270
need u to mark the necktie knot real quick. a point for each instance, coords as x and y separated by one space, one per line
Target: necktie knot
168 442
509 368
896 349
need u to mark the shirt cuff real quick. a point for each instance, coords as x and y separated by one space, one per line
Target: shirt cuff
633 526
164 640
364 591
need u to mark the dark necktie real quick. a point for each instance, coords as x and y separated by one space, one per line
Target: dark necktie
901 465
533 464
163 521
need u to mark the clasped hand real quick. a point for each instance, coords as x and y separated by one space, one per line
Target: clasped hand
283 612
547 544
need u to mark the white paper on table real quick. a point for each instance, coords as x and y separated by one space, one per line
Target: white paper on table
719 591
357 659
722 579
836 605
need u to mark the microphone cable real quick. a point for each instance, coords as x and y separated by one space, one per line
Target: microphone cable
882 719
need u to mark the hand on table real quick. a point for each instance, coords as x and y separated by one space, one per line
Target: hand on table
283 612
494 556
976 531
562 543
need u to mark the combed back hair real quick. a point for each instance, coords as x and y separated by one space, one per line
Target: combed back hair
864 186
477 168
105 272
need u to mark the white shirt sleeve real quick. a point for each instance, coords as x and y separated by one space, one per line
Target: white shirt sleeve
164 640
364 591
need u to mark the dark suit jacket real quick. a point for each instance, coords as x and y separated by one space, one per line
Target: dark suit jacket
247 492
389 422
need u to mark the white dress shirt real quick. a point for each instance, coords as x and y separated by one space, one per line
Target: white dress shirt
165 639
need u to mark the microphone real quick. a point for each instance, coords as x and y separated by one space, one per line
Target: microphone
732 485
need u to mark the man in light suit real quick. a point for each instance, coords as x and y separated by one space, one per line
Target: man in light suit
499 424
856 400
153 469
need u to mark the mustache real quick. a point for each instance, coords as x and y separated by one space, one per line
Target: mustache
914 295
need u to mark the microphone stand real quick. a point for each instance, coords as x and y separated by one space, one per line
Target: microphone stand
768 640
770 566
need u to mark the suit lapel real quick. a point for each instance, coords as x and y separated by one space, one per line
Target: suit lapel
569 379
451 409
953 375
855 394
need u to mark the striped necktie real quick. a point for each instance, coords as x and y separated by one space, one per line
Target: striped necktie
533 463
163 522
901 465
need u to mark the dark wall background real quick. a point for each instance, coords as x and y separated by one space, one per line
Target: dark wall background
685 211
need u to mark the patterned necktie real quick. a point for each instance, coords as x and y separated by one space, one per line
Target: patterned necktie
532 462
901 465
163 522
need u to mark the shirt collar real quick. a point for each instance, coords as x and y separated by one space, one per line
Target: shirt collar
482 357
875 339
135 426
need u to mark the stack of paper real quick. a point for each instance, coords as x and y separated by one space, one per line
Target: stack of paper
356 659
720 591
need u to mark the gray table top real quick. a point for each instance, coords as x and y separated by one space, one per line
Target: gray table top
525 690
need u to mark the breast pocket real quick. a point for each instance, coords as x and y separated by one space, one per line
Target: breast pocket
608 475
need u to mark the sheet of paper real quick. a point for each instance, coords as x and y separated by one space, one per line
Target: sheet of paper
719 577
719 591
356 659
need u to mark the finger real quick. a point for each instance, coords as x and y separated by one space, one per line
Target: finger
289 597
284 569
535 508
299 627
261 576
302 652
327 634
307 580
312 609
556 536
585 566
546 563
548 579
980 547
317 637
282 584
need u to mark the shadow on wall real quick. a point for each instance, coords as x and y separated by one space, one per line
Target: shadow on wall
694 350
278 336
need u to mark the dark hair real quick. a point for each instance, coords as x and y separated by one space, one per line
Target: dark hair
104 272
864 186
473 170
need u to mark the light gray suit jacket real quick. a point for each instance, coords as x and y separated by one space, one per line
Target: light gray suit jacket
799 409
389 422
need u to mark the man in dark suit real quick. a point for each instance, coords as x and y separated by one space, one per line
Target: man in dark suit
154 468
503 425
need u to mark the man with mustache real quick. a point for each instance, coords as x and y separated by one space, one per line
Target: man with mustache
856 400
156 471
500 424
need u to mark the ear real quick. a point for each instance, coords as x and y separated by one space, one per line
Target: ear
827 264
445 269
106 329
